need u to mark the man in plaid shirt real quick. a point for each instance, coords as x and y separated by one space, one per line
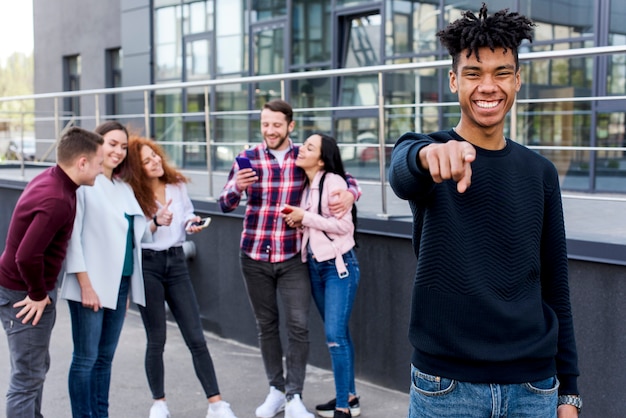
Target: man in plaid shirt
270 260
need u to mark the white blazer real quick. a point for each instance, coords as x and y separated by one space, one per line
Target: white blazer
98 242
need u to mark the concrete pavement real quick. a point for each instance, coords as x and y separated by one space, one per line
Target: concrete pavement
239 370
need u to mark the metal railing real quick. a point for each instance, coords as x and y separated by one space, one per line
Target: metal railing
59 119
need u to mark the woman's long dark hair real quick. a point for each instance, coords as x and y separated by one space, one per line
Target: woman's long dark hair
331 156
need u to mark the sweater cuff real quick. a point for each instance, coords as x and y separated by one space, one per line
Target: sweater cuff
568 384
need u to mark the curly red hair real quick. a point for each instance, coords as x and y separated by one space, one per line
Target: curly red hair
134 174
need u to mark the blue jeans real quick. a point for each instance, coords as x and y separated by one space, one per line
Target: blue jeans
166 278
28 350
95 336
264 281
439 397
334 297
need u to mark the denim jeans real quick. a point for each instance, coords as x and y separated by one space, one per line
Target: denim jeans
438 397
166 278
334 297
264 282
29 355
95 336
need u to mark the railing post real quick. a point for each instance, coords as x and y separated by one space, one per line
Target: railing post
382 149
146 112
207 138
97 111
56 117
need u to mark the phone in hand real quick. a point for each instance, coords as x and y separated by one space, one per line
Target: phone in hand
203 223
286 210
243 162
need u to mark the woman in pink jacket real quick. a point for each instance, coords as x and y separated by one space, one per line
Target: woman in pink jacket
328 247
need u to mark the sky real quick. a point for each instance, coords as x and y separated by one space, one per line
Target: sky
16 27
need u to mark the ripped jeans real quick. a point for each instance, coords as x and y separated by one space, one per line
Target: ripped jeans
334 297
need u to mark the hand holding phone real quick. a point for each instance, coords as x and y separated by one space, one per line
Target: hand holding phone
204 222
243 162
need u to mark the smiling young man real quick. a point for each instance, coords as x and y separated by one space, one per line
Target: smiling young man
491 321
36 244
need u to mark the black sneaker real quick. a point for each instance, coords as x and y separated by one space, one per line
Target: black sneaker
327 410
341 414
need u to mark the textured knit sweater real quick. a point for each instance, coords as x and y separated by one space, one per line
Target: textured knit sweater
491 295
40 229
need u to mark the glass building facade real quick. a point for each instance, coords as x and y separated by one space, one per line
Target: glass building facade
221 39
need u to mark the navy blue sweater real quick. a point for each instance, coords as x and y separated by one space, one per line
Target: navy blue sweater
491 295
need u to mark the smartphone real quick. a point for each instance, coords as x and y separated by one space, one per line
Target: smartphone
286 210
243 162
203 223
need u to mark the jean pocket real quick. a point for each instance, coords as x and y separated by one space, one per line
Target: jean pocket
430 385
543 387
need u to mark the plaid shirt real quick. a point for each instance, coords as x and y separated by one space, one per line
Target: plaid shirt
265 235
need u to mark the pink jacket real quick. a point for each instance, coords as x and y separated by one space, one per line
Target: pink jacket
339 229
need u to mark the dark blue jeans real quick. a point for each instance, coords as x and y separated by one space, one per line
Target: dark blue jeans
166 279
334 297
264 282
29 355
95 336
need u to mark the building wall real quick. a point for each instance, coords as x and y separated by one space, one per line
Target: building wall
71 27
136 42
381 312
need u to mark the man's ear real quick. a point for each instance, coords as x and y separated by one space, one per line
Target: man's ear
291 126
453 82
81 162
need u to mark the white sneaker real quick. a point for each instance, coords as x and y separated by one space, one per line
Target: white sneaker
296 409
274 403
220 409
159 410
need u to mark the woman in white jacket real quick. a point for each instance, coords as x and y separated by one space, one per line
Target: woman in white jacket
103 265
328 247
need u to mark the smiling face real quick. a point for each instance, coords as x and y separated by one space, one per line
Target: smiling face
275 129
114 149
486 91
151 163
310 154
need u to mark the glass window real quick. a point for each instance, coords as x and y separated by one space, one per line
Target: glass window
610 167
113 71
311 92
197 59
616 78
269 58
559 20
71 82
268 9
312 32
198 17
168 125
168 43
363 49
231 97
412 29
230 38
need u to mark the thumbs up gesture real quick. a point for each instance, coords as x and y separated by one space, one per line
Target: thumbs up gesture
163 215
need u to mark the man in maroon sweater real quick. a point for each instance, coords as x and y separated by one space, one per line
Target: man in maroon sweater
36 243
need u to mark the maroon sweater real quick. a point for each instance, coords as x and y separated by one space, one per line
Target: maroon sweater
40 228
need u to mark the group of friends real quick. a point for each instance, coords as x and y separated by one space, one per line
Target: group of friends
491 323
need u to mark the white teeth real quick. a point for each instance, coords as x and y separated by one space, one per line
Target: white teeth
486 105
